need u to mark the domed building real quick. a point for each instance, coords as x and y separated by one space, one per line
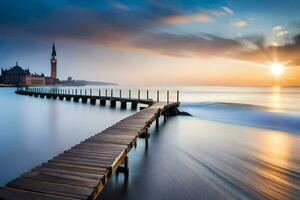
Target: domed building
16 75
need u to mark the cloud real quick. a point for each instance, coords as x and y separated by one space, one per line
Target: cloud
288 53
277 28
121 6
228 10
115 26
184 19
282 33
188 44
239 23
177 19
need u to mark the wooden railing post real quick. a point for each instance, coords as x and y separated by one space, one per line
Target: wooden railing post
91 92
106 92
129 95
157 96
139 94
99 93
177 96
168 96
147 94
111 93
120 93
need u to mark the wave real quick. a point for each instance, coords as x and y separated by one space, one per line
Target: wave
245 114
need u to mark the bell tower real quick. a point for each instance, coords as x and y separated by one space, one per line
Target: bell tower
53 62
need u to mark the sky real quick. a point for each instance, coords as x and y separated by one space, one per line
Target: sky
150 42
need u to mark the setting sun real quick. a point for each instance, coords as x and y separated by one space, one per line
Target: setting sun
277 69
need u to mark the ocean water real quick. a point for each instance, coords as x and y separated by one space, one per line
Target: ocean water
33 130
239 143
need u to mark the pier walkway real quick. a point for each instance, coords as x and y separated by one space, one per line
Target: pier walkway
82 171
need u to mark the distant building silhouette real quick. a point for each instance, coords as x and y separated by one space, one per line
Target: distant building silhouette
16 75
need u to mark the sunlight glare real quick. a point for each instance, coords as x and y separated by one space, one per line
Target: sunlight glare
277 69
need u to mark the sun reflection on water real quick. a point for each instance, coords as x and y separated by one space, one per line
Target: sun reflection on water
276 98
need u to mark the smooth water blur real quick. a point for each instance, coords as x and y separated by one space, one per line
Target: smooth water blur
190 158
33 130
239 143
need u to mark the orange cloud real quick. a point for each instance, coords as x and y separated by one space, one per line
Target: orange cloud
184 19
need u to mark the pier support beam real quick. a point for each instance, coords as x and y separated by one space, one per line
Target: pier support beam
68 98
84 100
157 122
145 134
125 168
42 96
113 103
36 95
133 105
48 96
123 104
76 99
54 96
61 97
102 102
93 100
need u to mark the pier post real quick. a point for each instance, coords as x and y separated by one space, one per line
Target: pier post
145 134
76 98
147 94
139 94
91 92
102 102
80 91
120 93
134 105
113 103
93 100
123 104
85 92
157 96
168 96
99 93
125 168
84 100
111 93
177 96
105 92
157 115
129 94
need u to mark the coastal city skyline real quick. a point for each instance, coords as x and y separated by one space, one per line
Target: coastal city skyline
188 43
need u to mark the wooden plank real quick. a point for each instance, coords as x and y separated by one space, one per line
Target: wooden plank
80 163
62 171
77 168
16 194
62 178
51 188
99 160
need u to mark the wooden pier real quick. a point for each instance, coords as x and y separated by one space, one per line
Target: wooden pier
82 171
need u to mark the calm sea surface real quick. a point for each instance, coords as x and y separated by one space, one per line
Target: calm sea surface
239 143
